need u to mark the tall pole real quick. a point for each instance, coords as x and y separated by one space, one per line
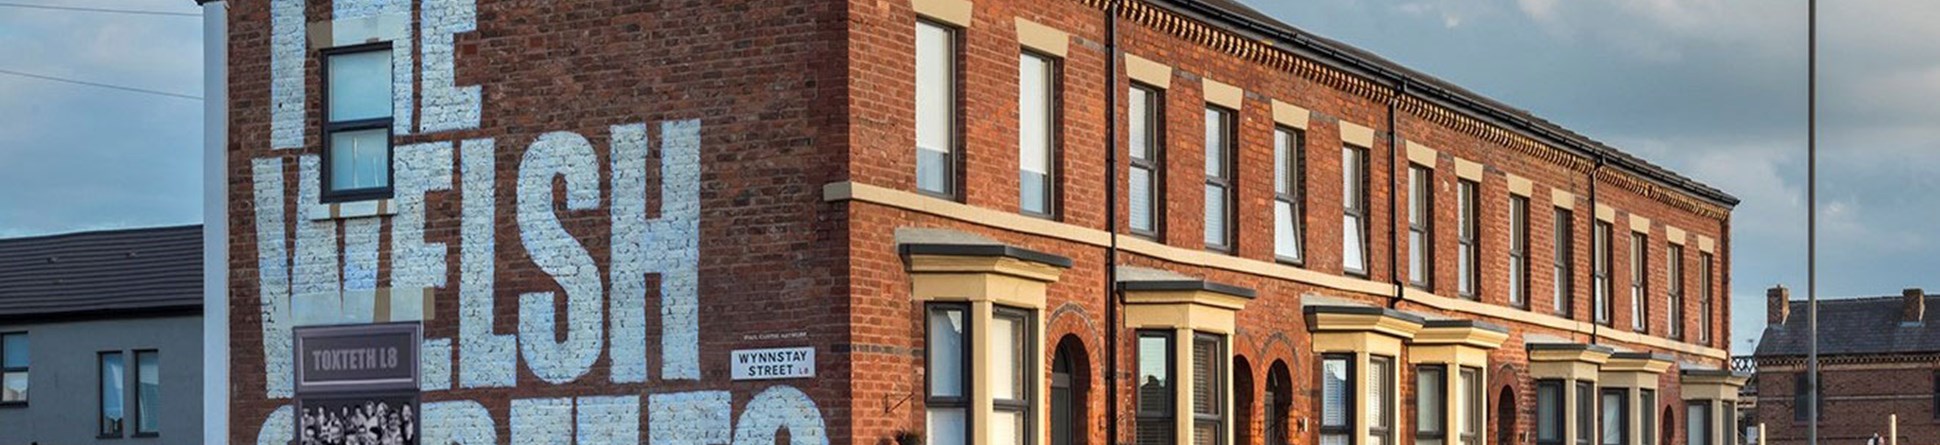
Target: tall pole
1812 218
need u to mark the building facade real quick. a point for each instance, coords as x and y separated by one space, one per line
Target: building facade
101 338
1879 368
988 221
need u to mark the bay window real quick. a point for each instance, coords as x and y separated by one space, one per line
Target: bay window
936 109
1337 399
1012 373
1697 415
1431 397
1147 203
1036 134
1421 249
1208 389
1616 416
948 349
1354 210
1380 400
1474 401
357 124
1647 412
1155 406
1007 369
1549 412
1288 171
1585 412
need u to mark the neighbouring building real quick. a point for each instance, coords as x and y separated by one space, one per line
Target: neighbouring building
940 222
101 337
1878 358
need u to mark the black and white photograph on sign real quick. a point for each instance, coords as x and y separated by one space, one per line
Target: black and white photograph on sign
389 420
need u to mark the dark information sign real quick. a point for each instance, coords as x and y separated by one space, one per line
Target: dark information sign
358 358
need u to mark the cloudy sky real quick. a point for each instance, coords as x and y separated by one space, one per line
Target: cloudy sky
1714 89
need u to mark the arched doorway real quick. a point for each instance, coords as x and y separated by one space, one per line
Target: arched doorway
1070 385
1505 416
1668 425
1242 401
1278 402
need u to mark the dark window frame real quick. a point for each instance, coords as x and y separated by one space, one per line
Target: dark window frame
1564 274
1647 404
1352 396
1356 206
1220 369
1674 291
1698 411
1519 251
1801 396
1386 424
1169 408
1295 184
967 372
1477 408
1421 195
1705 295
1229 134
1053 88
1027 360
139 414
1586 412
954 164
1154 158
1468 195
101 422
1439 430
1560 405
327 192
1601 288
1623 415
1640 281
5 370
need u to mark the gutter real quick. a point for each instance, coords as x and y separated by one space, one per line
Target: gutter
1596 325
1394 151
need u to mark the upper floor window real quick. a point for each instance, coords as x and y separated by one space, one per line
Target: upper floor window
1469 258
1219 178
1421 251
1288 228
1036 135
1674 268
113 379
1519 251
15 354
1354 209
148 393
1704 298
357 131
1639 278
936 109
1147 203
1565 270
1155 407
1600 270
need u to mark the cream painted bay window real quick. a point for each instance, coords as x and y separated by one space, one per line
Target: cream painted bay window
1012 373
948 350
1585 412
1431 397
1566 377
1475 405
936 108
980 304
1155 388
1616 416
1289 231
1358 347
1549 412
1354 210
1337 383
1647 416
1184 382
1697 415
1036 138
1421 249
1629 381
1449 357
1208 389
1380 400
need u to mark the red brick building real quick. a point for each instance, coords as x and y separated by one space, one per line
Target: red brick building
1877 364
984 222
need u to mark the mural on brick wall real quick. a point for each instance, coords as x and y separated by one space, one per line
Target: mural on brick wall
311 277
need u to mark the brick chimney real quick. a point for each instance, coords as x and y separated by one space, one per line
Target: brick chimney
1778 305
1914 306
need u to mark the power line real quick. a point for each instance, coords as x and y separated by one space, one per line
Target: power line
106 10
101 85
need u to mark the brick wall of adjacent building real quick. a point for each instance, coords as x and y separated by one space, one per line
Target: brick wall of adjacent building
790 96
1859 398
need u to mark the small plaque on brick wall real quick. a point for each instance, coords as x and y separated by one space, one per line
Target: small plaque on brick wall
776 363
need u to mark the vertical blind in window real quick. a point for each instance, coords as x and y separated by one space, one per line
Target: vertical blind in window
1144 137
1219 178
1564 269
1615 410
1036 108
1336 403
1380 400
1010 368
1208 370
1354 209
1549 412
935 108
1519 251
1287 192
1155 409
948 420
1469 260
1421 256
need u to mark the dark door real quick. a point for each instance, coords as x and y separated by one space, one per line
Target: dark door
1505 417
1068 384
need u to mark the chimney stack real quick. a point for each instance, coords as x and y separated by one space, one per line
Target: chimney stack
1778 305
1914 308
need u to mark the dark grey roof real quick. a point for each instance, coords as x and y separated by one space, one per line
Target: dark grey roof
1238 17
1854 326
102 273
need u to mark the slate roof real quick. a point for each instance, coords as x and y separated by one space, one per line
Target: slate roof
1853 327
1236 16
102 273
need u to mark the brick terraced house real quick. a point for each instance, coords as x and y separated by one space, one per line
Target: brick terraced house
938 222
1879 357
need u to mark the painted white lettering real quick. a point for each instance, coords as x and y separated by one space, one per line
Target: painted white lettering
690 418
568 155
488 359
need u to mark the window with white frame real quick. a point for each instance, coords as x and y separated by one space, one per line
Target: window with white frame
1337 379
1519 251
1036 135
1289 233
1600 271
1354 210
1147 204
948 350
1565 269
357 125
1469 255
1421 249
936 108
1549 412
1704 298
16 355
1431 398
1208 389
113 380
1380 400
1675 291
1473 405
1639 281
1616 416
1219 179
1155 389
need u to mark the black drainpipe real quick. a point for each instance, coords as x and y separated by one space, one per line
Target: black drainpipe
1596 326
1111 221
1394 150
